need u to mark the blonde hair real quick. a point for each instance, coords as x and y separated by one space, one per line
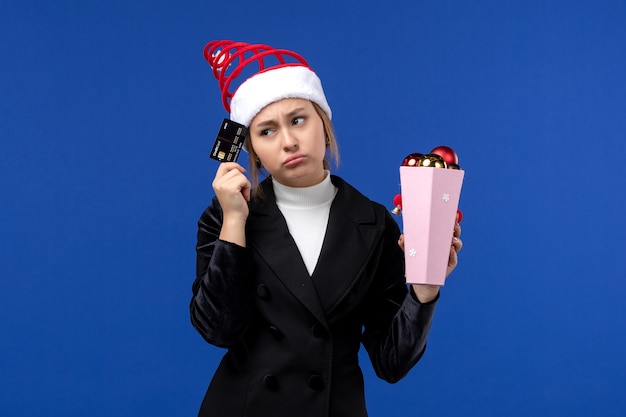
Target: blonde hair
331 158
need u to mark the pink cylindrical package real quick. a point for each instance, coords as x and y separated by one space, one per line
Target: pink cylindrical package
430 199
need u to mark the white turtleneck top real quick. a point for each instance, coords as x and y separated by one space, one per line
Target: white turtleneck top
306 211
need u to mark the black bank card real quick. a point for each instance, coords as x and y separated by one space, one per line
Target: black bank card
229 141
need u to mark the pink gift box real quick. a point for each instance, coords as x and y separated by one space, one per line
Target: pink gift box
430 199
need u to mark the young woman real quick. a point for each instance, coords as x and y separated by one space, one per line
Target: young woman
294 273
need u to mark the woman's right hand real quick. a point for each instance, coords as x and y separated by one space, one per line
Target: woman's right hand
232 190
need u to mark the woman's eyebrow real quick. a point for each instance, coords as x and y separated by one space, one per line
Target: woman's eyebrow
270 122
264 123
295 111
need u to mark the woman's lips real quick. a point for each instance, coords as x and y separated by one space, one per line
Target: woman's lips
294 160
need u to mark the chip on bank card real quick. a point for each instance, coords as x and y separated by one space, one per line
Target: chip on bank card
229 141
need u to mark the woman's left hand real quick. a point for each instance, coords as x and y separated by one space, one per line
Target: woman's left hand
455 248
427 292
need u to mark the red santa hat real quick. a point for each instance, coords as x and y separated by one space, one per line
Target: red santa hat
279 74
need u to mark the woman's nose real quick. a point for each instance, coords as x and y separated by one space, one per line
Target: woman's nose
290 141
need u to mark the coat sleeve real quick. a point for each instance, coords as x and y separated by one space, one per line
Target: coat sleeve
221 304
396 324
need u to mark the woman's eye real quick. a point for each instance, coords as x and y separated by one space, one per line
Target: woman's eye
298 120
265 132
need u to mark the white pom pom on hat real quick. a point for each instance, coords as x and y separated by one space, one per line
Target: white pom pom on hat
291 77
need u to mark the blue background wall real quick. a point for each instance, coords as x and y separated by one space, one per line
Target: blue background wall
107 114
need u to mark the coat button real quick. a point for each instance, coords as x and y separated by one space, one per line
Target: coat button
262 291
316 383
275 332
270 382
318 331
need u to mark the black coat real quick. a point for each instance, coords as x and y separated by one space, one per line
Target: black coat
293 339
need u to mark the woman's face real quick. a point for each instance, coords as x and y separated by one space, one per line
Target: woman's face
289 139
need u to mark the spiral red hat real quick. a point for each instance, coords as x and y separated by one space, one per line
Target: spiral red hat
280 74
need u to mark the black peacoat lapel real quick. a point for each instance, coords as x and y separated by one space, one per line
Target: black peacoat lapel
351 236
268 234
